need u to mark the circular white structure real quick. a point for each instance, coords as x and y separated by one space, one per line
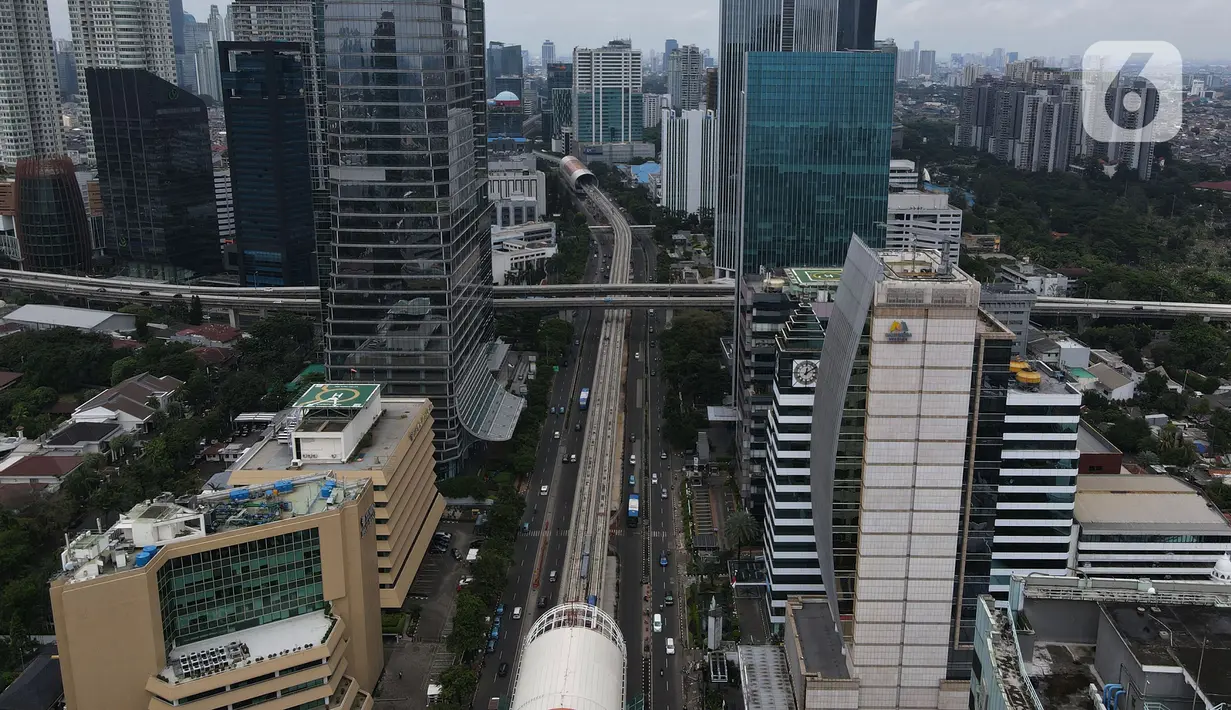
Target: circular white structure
1222 570
574 658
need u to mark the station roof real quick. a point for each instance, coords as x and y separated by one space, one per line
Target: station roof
574 658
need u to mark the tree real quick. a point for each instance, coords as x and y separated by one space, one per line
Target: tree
740 530
195 312
458 685
469 632
1130 435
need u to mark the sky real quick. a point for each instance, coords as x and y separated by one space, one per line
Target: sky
1031 27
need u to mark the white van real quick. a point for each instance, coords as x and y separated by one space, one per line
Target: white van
551 577
516 612
670 646
658 623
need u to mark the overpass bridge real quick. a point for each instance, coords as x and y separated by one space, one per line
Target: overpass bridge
306 299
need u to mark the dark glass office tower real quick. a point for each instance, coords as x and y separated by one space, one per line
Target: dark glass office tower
857 24
155 174
267 135
816 140
559 78
410 296
53 231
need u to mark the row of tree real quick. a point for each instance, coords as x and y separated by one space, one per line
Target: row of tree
695 374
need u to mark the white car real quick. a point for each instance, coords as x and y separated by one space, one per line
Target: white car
542 490
632 459
670 646
653 479
658 623
663 456
556 435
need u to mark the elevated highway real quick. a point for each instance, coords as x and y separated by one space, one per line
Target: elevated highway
306 299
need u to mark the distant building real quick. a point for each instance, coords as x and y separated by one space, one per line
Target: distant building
130 404
213 335
652 109
924 220
43 317
1011 305
684 78
548 53
689 180
265 101
521 250
903 175
518 191
607 100
155 171
1037 279
52 228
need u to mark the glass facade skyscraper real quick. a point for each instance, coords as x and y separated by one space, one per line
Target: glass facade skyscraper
155 175
755 26
410 293
264 99
53 230
817 130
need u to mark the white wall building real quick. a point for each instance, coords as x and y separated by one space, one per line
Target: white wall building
521 248
923 220
1037 279
1038 476
519 195
121 34
30 123
599 75
903 175
689 160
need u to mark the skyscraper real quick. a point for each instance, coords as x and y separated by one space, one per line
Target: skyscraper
689 151
607 101
558 100
755 26
122 34
155 173
29 86
66 69
898 492
267 134
684 78
410 289
668 47
856 24
816 134
548 55
295 21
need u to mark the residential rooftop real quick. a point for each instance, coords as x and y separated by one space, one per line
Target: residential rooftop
141 532
1048 381
1143 503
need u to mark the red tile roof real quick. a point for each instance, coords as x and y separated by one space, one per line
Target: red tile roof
40 466
216 332
8 378
1220 185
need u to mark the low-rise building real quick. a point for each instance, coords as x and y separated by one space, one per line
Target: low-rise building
353 433
37 316
520 250
227 598
1147 525
209 335
1033 277
924 220
1098 455
1112 383
131 404
1067 643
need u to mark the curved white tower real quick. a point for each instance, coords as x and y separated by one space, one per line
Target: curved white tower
574 658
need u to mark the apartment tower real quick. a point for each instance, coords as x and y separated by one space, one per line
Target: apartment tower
30 124
684 68
689 154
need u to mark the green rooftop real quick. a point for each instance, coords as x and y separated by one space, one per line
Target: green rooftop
337 396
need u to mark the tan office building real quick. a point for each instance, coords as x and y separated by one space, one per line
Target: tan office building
352 432
263 596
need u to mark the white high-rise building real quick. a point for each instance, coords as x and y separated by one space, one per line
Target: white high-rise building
652 108
548 53
903 175
1038 476
30 124
689 161
923 220
607 101
684 73
121 34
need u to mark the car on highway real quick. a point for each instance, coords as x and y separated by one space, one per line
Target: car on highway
662 559
503 670
633 436
651 329
662 493
658 623
543 602
572 458
653 479
564 458
663 456
556 436
551 576
577 343
577 426
525 527
653 373
543 490
669 600
632 481
632 459
670 646
491 646
516 612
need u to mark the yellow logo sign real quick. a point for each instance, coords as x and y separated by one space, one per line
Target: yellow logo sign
899 332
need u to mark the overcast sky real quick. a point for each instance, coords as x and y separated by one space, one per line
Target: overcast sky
1032 27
